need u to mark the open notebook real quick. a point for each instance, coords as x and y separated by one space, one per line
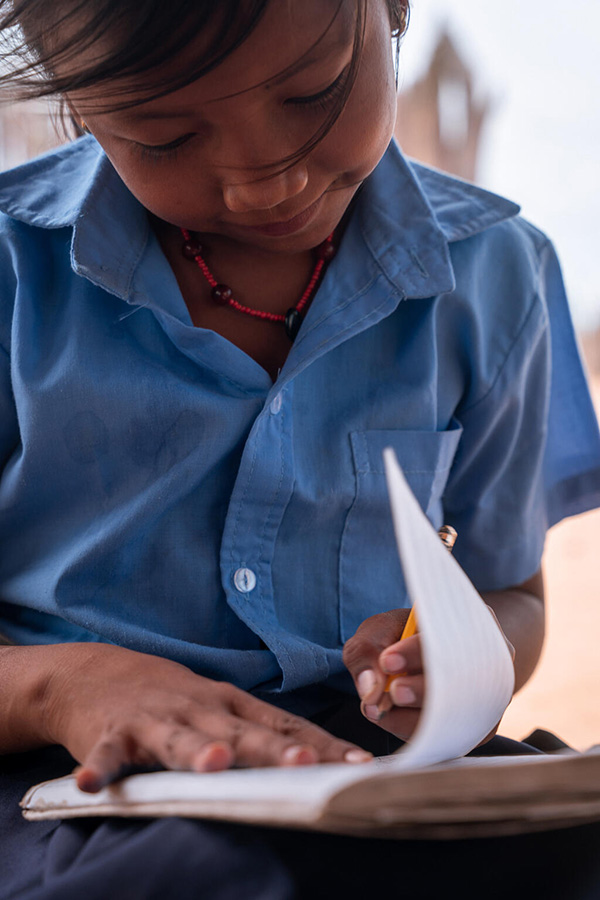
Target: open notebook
427 789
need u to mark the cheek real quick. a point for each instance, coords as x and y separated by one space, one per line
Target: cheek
170 190
377 117
362 134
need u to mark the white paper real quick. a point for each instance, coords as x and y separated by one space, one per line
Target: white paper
468 667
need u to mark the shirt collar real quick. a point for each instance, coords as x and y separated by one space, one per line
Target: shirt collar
408 216
50 191
411 214
76 186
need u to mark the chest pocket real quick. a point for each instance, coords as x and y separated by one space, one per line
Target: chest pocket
370 575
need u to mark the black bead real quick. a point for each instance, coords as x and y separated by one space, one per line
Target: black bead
293 321
326 251
191 249
221 293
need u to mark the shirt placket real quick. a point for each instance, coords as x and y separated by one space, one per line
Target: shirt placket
260 496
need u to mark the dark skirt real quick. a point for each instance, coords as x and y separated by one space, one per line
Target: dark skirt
140 859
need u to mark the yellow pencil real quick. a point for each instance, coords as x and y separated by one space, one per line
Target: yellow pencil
448 535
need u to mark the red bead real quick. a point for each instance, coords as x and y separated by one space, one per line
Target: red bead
326 251
221 293
191 249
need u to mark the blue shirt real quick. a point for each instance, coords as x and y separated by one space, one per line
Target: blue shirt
159 491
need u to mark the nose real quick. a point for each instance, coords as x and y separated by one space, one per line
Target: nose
257 192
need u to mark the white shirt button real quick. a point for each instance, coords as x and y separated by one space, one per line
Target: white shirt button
244 580
276 404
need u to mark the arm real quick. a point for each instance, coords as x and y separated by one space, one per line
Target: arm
371 654
520 613
25 675
114 708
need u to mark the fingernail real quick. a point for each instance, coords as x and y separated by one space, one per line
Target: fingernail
402 695
213 758
372 712
298 756
366 681
357 756
393 663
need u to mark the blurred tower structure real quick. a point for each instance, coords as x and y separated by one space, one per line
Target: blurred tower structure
440 120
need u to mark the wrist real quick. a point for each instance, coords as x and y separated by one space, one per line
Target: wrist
22 691
33 680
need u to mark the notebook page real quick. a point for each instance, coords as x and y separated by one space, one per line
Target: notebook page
468 667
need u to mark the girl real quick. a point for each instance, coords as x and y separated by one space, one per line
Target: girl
217 308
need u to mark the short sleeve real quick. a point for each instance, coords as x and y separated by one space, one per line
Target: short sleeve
530 453
571 463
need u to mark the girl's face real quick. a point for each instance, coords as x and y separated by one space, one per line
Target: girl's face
193 158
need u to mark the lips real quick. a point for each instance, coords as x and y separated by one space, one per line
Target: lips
290 226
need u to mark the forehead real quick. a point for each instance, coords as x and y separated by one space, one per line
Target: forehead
292 36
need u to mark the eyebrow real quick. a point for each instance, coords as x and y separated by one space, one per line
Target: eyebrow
320 50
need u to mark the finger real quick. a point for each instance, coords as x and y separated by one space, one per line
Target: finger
212 738
256 745
183 747
403 656
405 690
362 652
376 711
408 690
107 761
293 732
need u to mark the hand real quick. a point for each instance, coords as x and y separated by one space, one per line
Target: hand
114 708
374 653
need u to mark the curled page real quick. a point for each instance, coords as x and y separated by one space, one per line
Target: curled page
469 674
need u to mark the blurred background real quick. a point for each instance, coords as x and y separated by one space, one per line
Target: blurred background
506 95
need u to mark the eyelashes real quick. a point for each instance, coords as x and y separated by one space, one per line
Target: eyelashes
323 98
320 101
158 151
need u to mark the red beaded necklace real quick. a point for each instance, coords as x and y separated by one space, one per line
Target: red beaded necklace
222 294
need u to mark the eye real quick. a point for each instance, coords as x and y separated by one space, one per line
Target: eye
162 151
325 97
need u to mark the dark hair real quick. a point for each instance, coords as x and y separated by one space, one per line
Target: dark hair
50 47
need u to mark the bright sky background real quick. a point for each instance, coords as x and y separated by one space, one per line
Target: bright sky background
539 61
